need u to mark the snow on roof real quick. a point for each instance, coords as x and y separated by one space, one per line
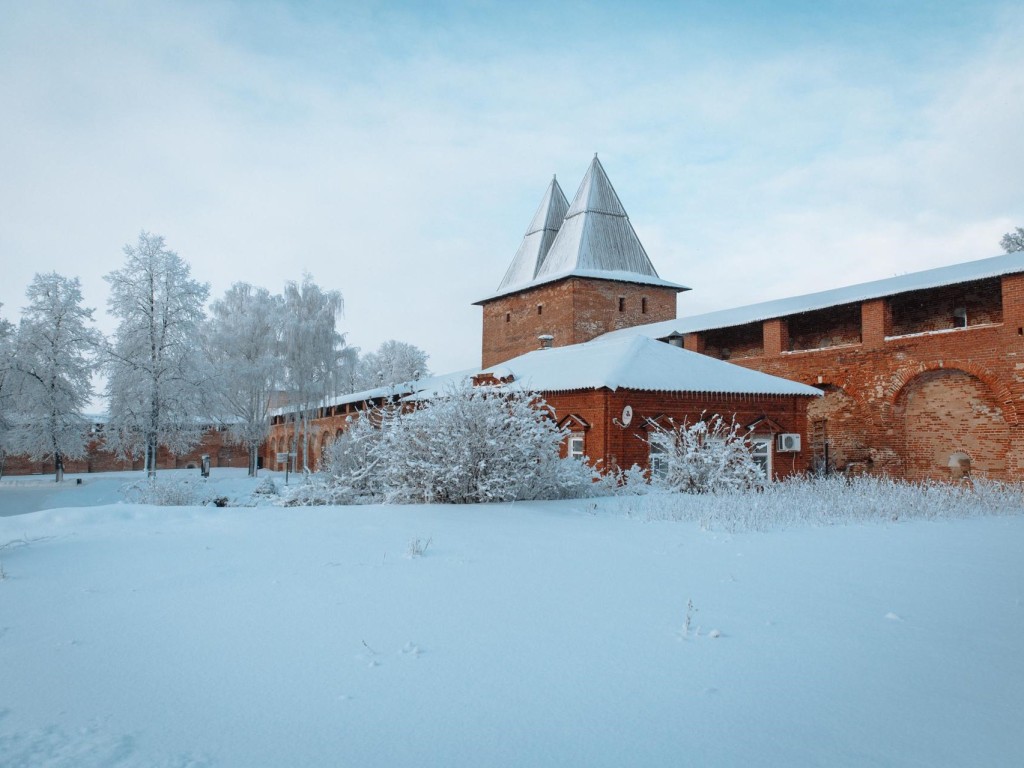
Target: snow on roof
538 238
915 281
640 363
595 239
403 390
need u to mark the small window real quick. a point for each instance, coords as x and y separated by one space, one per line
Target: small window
540 309
761 453
643 306
658 462
622 303
576 446
508 317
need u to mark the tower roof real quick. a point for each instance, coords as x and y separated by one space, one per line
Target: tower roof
596 233
594 240
538 238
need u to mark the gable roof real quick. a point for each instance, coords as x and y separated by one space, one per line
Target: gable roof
595 240
538 238
955 274
638 363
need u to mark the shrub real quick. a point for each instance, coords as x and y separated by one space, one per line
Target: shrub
167 493
707 456
471 444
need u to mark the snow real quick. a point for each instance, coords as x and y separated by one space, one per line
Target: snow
641 363
955 274
525 634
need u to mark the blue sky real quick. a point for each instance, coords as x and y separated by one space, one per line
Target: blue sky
397 151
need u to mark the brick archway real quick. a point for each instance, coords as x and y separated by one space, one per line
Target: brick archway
1000 392
939 412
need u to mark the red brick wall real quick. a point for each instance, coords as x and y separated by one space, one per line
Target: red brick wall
618 446
903 404
573 310
222 454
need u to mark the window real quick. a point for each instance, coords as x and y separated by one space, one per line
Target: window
540 309
575 447
622 303
508 317
658 462
761 453
643 305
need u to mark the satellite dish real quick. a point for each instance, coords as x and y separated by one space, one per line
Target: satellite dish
627 415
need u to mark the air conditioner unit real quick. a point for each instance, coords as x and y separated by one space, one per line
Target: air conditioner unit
787 442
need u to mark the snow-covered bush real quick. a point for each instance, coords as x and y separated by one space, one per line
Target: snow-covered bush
708 456
833 500
471 444
177 492
267 487
350 469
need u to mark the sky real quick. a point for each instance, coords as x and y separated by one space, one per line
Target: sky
397 151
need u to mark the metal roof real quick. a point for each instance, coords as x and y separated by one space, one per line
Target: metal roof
538 238
595 239
955 274
596 233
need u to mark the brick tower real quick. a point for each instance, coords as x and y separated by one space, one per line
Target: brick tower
579 272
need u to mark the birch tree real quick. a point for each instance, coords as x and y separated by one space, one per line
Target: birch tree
245 346
394 362
312 354
53 361
6 340
154 369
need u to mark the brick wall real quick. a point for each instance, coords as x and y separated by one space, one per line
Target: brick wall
572 310
97 459
619 446
903 404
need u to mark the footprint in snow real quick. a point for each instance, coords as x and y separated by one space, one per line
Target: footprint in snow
411 649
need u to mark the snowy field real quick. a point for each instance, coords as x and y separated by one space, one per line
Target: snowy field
530 634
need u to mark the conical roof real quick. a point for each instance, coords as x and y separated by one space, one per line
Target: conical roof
594 240
596 234
538 238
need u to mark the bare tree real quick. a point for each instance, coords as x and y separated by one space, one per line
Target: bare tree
154 370
245 351
54 357
1013 241
312 354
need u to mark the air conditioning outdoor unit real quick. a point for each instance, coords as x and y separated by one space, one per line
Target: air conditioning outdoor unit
787 442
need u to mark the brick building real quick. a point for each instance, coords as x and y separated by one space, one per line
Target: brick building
922 374
579 274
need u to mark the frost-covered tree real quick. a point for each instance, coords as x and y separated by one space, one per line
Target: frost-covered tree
394 362
155 371
53 360
708 456
6 356
472 444
1013 241
312 352
244 349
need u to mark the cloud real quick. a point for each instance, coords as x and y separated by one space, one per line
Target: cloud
398 157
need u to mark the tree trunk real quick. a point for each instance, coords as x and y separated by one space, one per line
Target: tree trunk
58 466
254 449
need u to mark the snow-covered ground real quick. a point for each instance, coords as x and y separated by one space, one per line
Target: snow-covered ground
541 634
